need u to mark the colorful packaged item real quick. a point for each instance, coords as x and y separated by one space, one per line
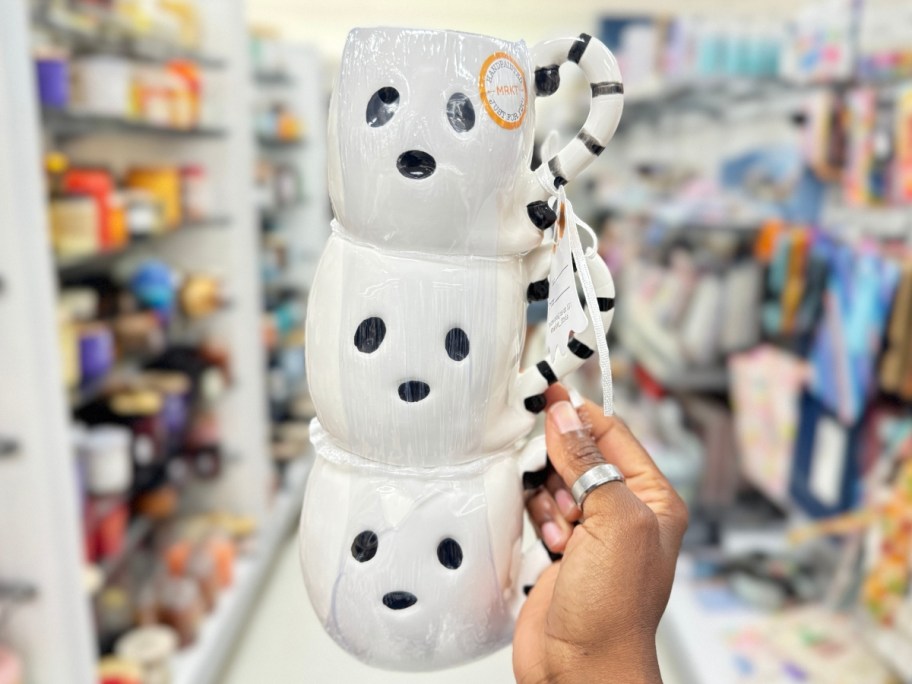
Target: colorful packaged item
150 648
902 172
896 367
766 386
198 200
826 465
164 184
96 352
53 81
97 183
107 460
103 85
411 529
847 344
118 671
74 223
154 286
862 111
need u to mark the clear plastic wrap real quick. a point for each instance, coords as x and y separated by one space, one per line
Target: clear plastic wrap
416 568
416 324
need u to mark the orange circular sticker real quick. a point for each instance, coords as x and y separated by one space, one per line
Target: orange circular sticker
502 85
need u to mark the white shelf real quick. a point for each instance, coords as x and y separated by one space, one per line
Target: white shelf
203 662
55 634
87 262
697 638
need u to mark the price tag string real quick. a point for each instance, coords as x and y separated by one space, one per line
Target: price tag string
571 224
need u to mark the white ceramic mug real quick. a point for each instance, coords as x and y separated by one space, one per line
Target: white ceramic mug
430 129
416 315
413 570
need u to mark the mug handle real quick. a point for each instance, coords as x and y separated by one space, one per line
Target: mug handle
601 68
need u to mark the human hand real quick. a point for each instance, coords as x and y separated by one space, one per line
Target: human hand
592 616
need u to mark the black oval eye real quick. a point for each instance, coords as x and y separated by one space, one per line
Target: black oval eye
370 334
381 107
460 112
457 344
449 553
364 547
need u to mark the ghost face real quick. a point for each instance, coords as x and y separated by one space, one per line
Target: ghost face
415 159
412 577
410 361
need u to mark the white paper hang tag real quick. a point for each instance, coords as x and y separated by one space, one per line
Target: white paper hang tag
565 313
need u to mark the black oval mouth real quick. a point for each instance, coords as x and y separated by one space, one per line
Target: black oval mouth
413 390
416 164
397 600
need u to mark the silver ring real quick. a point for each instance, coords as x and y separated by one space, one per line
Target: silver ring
594 478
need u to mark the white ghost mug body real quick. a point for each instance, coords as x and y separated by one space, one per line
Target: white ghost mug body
415 570
416 315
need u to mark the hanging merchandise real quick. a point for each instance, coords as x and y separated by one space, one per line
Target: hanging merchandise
825 134
902 171
766 386
826 466
419 304
741 306
896 368
846 347
796 281
857 182
887 571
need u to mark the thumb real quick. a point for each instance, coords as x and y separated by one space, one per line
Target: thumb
573 451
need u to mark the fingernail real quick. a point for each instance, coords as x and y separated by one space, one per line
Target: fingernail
551 534
565 417
565 502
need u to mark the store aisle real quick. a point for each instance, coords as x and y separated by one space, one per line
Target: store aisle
284 644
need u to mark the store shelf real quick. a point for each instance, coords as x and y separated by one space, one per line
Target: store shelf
91 35
697 637
274 212
89 262
272 142
891 646
64 124
273 78
651 209
86 394
202 663
223 146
